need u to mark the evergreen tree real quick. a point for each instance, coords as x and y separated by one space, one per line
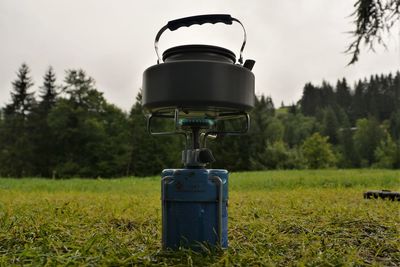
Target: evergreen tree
394 124
386 100
87 141
330 126
81 90
310 100
149 155
16 145
293 109
43 138
372 96
48 93
396 90
269 105
358 107
327 95
343 95
22 100
348 155
261 117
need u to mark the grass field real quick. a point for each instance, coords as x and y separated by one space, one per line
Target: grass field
316 218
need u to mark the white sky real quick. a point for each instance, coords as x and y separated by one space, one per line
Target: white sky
293 42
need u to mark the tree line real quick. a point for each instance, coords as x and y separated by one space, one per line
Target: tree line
70 130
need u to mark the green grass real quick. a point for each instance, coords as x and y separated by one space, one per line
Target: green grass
275 218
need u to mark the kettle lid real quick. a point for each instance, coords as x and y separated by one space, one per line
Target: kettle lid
199 52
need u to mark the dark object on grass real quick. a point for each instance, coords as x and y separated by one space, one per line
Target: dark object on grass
384 194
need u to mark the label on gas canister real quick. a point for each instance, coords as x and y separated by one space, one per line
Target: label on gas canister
191 186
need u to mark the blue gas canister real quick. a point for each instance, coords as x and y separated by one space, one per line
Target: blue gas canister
194 208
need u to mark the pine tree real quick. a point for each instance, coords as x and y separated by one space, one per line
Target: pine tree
372 97
310 100
22 100
16 152
349 157
327 95
89 139
292 109
358 106
343 95
150 154
43 138
396 90
394 124
48 92
81 90
330 126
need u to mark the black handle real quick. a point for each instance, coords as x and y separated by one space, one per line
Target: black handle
201 19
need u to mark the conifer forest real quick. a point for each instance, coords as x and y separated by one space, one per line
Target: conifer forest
64 127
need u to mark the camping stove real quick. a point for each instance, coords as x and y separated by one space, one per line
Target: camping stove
201 90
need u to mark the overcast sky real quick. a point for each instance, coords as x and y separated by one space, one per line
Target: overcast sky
293 42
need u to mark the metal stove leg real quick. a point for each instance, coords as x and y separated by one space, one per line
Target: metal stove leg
164 181
219 183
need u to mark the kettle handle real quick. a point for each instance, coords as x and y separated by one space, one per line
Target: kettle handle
201 19
189 21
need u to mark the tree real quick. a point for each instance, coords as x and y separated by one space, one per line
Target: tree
317 152
264 128
114 150
277 155
327 95
396 90
16 145
22 100
394 124
297 128
343 95
348 155
387 153
367 138
330 126
292 109
81 90
48 93
90 137
394 128
372 96
150 154
373 20
42 136
358 106
310 100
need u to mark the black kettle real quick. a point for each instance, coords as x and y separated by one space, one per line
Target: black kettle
199 80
